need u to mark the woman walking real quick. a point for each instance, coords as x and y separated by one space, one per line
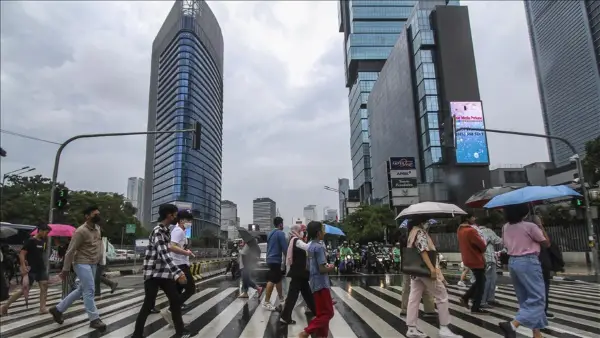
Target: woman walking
248 258
298 272
523 241
434 284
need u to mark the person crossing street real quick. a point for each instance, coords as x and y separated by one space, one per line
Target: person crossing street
179 243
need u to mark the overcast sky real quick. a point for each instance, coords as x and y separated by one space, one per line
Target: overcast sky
84 67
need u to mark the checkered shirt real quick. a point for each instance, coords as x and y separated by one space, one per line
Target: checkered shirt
491 239
158 262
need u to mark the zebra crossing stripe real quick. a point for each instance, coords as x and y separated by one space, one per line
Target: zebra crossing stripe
258 323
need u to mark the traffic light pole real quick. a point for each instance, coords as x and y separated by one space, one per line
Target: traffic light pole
196 145
593 238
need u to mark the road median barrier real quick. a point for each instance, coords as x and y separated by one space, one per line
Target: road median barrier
205 269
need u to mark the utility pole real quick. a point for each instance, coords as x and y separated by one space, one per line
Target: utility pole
592 236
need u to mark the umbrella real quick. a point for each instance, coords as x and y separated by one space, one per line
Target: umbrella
404 223
480 198
431 209
331 230
59 230
6 232
531 194
245 234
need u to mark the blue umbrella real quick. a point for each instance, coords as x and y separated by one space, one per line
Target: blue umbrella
331 230
531 194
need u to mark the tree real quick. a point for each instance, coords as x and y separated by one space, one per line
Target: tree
368 222
591 161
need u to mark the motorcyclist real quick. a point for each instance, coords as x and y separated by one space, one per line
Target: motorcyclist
396 254
346 250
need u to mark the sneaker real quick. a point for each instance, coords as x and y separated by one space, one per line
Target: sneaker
185 306
413 332
549 315
185 334
464 303
461 284
56 315
154 310
446 333
268 306
3 310
98 325
114 287
287 322
480 312
243 295
508 330
166 314
428 314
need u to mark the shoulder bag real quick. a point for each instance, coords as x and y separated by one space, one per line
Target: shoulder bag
412 263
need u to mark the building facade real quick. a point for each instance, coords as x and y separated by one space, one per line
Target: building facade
412 98
565 39
310 213
229 219
186 86
343 187
135 195
330 215
264 210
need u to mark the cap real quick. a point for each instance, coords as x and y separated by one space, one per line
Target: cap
185 214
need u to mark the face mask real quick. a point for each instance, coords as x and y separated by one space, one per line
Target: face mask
187 225
96 218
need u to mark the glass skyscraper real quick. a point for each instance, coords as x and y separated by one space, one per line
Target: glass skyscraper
186 86
565 39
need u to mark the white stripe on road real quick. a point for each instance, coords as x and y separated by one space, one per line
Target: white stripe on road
258 323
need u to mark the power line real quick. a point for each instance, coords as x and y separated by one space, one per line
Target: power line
27 136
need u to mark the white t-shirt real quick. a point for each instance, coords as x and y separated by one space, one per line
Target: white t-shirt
178 236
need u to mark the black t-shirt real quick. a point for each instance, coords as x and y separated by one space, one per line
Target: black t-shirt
35 253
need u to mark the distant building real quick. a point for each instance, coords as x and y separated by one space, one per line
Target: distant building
229 219
264 210
310 213
135 195
330 215
343 187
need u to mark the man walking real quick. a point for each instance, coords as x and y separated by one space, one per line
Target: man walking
489 292
472 247
100 278
32 253
161 272
276 249
84 252
179 241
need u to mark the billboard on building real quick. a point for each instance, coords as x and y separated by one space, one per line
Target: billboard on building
403 181
471 145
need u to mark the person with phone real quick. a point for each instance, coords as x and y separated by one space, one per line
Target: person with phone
161 272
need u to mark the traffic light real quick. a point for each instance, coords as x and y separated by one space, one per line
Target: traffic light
577 202
61 197
196 136
447 133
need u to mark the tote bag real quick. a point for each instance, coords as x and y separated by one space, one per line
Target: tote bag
412 263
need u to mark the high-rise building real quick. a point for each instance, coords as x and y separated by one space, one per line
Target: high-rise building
565 39
264 210
186 86
310 213
229 219
330 215
343 187
135 194
429 73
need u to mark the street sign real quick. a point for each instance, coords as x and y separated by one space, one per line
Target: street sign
130 229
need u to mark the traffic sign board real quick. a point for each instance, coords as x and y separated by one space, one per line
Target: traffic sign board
130 229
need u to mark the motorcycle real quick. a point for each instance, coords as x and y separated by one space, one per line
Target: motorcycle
357 261
376 264
387 262
234 266
346 264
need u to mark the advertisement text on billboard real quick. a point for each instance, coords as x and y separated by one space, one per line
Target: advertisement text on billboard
402 163
404 183
471 145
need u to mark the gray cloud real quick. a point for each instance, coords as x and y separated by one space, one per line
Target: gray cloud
81 67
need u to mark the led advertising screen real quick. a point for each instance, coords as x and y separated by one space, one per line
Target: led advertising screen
188 233
471 145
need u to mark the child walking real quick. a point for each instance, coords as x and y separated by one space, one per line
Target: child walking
319 283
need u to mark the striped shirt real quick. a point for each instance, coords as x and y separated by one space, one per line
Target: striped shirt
158 262
491 239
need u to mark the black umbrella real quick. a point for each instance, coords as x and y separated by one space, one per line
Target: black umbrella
245 235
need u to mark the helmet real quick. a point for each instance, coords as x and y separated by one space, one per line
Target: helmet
370 244
397 243
345 243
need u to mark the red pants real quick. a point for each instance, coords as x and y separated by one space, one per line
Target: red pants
324 306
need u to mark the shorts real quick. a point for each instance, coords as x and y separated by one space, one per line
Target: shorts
274 275
41 276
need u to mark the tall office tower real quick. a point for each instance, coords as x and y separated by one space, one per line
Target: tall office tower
343 187
135 194
229 219
565 38
186 86
429 77
310 213
330 215
264 210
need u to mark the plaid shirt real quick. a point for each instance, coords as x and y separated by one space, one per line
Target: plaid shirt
491 239
158 262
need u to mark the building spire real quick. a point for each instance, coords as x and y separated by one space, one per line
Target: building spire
278 214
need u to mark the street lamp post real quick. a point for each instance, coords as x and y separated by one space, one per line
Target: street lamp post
339 192
17 172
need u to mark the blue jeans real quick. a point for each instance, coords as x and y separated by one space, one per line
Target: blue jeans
246 281
489 293
526 275
86 274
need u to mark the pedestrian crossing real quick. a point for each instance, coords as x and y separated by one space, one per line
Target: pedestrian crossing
362 311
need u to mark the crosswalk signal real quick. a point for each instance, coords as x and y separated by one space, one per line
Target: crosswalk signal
577 202
61 197
196 136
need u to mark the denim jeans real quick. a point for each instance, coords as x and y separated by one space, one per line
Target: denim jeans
526 275
86 274
247 281
489 293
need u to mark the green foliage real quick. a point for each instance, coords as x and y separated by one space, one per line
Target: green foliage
557 215
591 162
368 222
26 200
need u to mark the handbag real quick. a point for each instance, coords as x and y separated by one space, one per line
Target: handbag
412 263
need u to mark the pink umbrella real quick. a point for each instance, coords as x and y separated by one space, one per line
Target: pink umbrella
59 230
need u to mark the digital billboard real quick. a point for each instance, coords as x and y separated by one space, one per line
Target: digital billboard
471 145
